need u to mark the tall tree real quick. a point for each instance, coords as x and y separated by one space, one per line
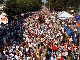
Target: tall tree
17 7
1 1
63 4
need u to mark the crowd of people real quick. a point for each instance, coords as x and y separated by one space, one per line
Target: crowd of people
11 32
44 38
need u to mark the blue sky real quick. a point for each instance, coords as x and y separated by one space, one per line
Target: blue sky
44 1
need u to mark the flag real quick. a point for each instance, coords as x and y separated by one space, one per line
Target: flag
78 21
70 33
77 18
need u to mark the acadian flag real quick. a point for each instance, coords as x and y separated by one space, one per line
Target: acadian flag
70 33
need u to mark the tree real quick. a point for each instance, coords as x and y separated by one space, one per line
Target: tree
64 4
1 1
16 7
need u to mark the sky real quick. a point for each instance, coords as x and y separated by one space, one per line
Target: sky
44 1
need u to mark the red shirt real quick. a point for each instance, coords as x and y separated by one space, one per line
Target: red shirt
54 48
61 58
71 48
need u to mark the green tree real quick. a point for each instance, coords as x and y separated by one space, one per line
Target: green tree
1 1
63 4
16 7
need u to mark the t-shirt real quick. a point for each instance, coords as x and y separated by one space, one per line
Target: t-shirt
61 58
44 58
54 48
16 57
51 58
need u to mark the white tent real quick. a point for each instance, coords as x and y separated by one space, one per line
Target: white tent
65 15
60 13
4 14
63 18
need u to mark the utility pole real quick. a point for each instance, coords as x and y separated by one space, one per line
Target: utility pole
49 5
79 42
79 8
79 29
79 36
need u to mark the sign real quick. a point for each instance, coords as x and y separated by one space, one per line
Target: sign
3 19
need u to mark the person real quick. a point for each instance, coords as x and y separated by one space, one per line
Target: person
39 39
51 58
3 57
61 58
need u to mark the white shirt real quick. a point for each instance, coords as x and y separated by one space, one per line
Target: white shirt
47 21
28 58
27 39
11 55
51 58
27 49
20 53
10 50
44 58
30 45
16 57
62 29
66 53
70 39
17 47
59 55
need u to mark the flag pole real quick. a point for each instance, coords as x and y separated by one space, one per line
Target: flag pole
49 5
79 30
